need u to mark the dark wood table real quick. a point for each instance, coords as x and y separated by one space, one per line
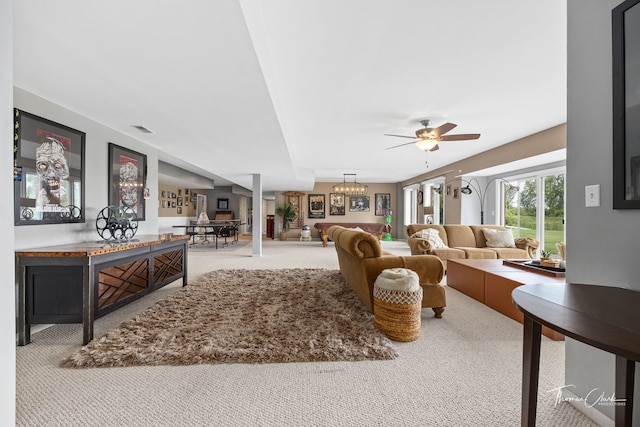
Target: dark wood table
79 282
603 317
214 230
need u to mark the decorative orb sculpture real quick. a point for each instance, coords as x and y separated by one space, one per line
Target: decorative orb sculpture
117 223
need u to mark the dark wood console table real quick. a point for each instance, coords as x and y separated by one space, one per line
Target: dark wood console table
603 317
80 282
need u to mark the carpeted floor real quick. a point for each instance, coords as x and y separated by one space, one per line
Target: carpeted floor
245 316
464 370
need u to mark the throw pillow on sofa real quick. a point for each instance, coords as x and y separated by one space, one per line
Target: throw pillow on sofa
499 238
432 236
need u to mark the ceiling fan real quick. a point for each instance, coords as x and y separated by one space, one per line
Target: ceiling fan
428 138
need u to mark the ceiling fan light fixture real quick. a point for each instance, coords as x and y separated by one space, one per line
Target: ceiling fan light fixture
426 144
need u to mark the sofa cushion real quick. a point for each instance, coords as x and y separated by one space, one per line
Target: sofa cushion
479 253
460 236
499 238
432 236
511 253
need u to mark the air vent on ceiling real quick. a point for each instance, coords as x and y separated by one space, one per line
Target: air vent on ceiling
143 129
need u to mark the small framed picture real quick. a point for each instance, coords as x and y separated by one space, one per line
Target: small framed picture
223 204
359 204
179 210
336 204
316 205
383 203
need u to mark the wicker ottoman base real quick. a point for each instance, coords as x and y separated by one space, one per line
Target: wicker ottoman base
397 313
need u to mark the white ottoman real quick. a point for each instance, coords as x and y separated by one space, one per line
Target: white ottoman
397 303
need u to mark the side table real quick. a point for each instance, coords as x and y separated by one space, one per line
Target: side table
600 316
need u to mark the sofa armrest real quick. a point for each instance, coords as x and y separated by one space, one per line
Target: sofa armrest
529 244
419 246
429 268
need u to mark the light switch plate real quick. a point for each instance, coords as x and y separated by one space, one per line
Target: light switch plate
592 195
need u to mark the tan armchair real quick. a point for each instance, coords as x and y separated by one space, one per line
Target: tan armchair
362 259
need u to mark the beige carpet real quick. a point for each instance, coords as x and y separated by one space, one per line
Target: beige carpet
245 316
464 370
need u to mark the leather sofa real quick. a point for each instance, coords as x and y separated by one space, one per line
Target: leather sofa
467 241
362 259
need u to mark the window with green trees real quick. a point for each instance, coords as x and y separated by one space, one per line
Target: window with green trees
537 209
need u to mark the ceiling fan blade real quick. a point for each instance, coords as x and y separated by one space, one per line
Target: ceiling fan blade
400 136
435 147
460 137
406 143
442 129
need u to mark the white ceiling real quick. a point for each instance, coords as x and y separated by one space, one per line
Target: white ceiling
299 90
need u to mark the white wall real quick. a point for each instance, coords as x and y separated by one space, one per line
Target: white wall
96 176
602 243
7 293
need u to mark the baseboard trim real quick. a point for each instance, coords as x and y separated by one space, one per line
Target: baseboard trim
594 415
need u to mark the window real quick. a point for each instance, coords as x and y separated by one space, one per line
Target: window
537 210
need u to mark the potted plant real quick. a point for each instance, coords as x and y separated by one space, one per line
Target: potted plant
288 214
544 254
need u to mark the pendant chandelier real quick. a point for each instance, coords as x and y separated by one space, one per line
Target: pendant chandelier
351 188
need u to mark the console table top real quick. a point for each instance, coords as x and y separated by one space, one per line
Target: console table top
601 316
85 249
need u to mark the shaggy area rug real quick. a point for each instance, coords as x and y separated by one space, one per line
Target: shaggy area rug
245 316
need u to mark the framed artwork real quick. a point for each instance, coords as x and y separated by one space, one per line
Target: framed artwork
626 104
336 204
316 205
359 204
179 201
179 210
48 171
223 204
383 203
127 178
456 193
448 189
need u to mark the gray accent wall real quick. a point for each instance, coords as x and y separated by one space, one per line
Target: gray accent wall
7 293
602 243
